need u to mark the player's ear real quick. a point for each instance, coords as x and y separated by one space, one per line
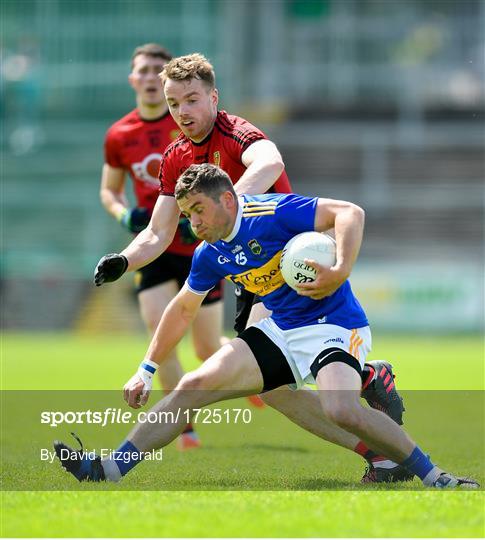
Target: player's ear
215 96
131 80
227 199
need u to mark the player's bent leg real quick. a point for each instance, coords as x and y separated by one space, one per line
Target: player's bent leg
337 374
207 330
231 372
303 408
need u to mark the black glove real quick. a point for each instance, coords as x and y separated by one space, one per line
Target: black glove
135 219
186 232
110 268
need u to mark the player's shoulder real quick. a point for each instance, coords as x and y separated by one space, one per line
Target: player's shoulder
236 133
265 198
124 124
128 119
180 144
260 206
275 204
203 252
234 125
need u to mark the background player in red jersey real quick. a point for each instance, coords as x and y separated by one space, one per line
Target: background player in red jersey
134 145
255 166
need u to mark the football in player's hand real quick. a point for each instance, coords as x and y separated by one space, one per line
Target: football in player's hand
308 245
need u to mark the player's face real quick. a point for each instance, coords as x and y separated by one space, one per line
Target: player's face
145 81
193 105
209 219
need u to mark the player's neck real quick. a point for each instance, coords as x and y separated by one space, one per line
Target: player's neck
150 112
201 138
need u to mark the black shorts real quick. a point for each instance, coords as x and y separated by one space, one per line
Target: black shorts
168 267
274 367
245 300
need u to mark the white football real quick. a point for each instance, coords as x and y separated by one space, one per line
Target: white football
308 245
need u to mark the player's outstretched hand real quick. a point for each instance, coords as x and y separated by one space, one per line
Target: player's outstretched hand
110 268
328 280
135 219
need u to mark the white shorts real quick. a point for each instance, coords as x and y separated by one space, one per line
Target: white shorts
302 345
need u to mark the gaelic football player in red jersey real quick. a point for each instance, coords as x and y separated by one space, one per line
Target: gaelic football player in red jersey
134 146
255 166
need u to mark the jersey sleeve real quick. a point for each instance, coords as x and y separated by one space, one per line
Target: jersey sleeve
296 214
242 137
112 154
202 277
167 174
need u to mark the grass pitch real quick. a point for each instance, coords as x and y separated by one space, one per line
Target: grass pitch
275 479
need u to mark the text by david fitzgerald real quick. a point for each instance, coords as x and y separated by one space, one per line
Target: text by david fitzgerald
104 453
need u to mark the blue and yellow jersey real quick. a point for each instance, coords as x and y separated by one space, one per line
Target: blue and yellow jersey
250 258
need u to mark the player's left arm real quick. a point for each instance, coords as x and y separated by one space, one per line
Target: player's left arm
175 321
264 166
348 221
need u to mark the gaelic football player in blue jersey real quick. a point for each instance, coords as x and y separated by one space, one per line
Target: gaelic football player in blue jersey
319 334
254 165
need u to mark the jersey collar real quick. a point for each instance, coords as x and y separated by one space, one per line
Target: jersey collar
237 224
152 120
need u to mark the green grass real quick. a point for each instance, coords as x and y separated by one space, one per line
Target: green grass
265 479
243 514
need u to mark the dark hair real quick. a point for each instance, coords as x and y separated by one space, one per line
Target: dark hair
151 49
191 66
204 178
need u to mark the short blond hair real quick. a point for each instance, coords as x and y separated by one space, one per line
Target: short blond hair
191 66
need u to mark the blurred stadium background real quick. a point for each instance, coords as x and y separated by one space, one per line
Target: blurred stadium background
380 102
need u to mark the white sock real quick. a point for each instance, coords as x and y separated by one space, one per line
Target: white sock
432 476
111 471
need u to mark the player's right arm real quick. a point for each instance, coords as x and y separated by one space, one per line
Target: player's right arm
112 191
147 246
347 220
264 165
153 240
113 198
156 238
174 323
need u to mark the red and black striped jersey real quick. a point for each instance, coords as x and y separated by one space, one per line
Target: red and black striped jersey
223 147
136 145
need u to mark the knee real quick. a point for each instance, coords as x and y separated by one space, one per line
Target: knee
193 381
345 415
